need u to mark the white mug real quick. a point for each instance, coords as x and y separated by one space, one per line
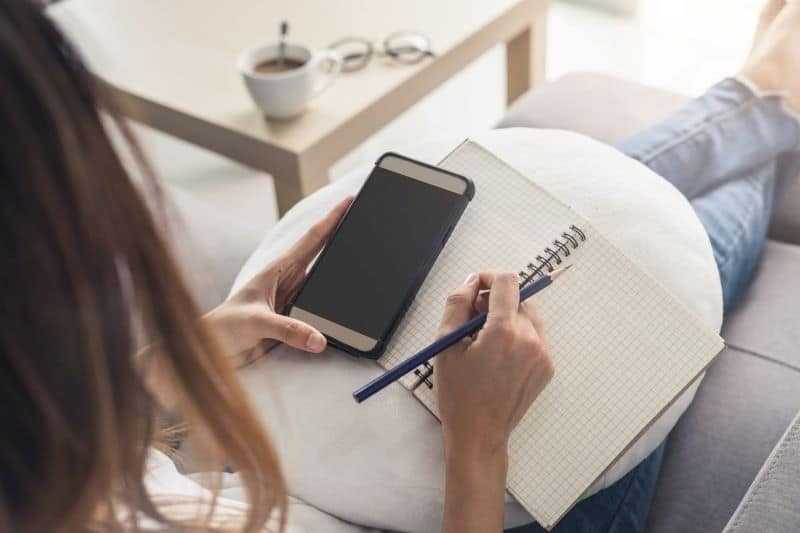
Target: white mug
286 94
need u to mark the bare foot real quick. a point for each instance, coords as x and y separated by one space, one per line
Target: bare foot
774 62
767 16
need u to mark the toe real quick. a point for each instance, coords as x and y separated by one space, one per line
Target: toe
771 10
768 15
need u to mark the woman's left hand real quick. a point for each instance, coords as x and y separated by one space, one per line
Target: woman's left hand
249 323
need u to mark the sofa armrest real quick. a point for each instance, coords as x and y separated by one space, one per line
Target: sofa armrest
772 502
610 109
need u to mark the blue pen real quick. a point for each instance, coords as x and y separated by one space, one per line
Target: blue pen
425 355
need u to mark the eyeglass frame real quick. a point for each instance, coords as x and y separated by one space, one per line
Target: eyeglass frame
386 51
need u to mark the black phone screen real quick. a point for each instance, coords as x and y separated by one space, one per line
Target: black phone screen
393 229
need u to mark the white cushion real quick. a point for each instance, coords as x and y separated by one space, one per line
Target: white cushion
380 463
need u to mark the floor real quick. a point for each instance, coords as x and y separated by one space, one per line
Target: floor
681 45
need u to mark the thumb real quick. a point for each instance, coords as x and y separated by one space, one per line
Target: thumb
293 332
459 305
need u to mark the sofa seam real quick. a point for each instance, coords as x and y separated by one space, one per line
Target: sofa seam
753 353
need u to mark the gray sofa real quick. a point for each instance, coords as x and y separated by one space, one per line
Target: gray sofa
724 444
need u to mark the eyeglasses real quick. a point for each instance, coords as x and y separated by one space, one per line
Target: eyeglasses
405 47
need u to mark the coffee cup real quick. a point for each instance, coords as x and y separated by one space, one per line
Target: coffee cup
282 86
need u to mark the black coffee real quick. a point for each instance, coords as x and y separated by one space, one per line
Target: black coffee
275 66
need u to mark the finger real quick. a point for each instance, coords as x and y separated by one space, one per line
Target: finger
482 302
485 282
459 305
528 307
486 279
292 332
312 242
503 298
530 311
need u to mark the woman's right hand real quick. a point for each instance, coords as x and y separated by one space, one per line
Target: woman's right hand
485 386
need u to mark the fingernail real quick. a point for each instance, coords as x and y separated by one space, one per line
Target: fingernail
315 342
472 278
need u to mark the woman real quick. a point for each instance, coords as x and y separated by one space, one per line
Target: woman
88 278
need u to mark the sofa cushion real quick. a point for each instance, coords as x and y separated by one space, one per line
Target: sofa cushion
742 408
740 411
610 109
767 321
786 221
605 108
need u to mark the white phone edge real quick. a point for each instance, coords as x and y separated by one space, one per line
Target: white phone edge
430 175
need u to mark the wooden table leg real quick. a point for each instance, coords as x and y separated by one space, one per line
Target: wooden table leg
525 58
298 180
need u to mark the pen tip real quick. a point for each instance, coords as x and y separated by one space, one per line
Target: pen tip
554 274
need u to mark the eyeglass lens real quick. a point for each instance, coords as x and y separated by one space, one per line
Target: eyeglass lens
405 47
355 52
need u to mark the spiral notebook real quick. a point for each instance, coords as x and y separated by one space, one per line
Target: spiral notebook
624 348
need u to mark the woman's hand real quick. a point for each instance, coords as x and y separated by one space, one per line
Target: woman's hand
485 386
249 323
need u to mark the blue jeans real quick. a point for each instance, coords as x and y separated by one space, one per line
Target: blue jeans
727 152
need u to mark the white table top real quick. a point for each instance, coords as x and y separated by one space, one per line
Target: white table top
181 54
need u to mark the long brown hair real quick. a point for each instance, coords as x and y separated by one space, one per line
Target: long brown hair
84 269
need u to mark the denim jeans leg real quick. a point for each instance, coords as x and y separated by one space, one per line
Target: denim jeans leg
736 217
725 135
725 151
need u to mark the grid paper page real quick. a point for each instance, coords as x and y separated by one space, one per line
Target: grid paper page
623 347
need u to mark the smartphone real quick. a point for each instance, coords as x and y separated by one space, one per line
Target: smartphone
368 274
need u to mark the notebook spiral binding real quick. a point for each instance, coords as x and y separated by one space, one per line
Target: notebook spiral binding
551 257
548 260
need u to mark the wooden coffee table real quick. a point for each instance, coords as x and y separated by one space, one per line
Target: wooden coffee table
172 64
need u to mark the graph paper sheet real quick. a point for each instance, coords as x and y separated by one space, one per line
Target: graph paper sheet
623 347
